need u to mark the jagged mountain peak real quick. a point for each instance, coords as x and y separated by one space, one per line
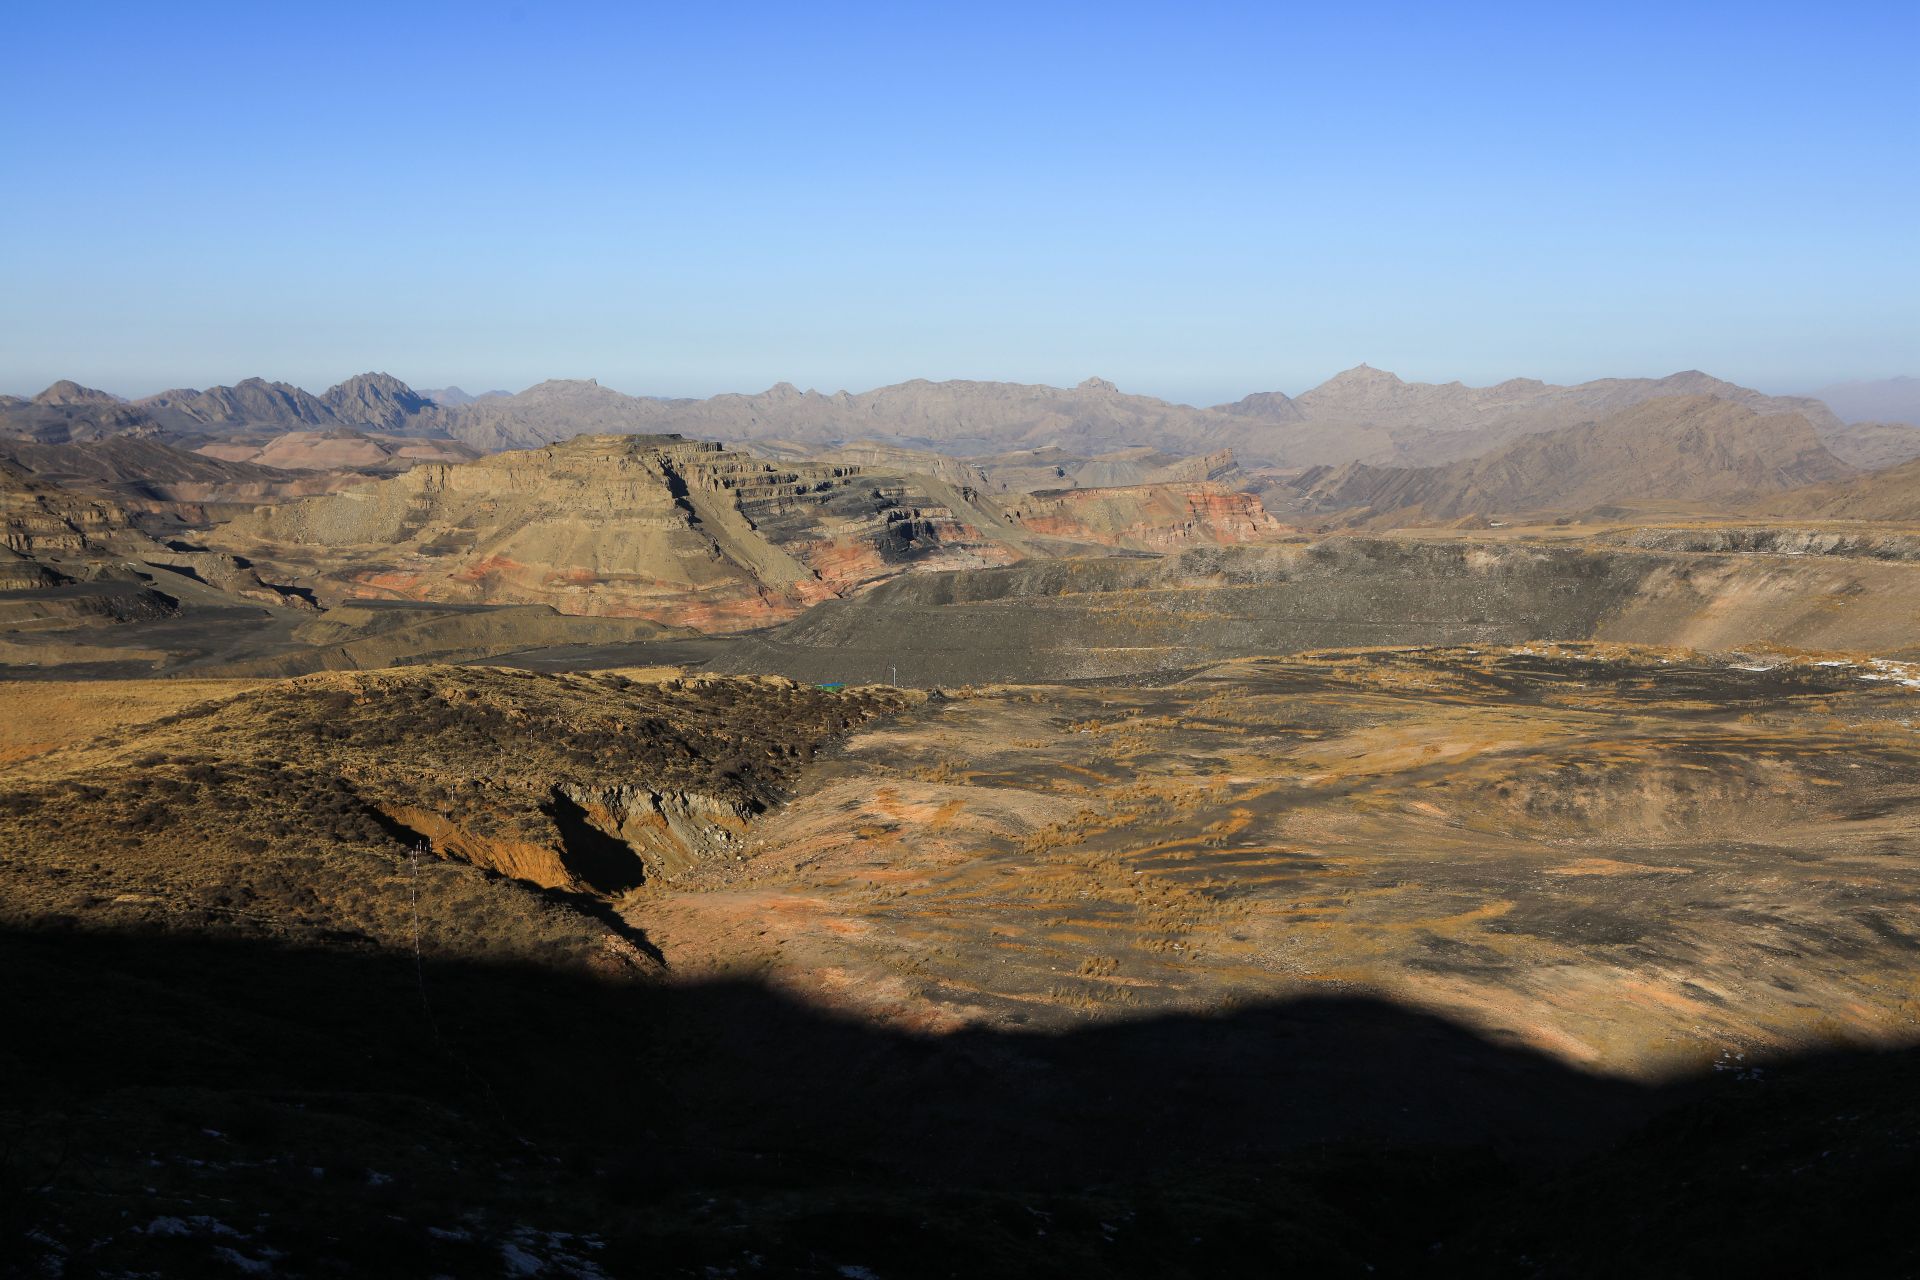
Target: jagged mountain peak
384 382
382 401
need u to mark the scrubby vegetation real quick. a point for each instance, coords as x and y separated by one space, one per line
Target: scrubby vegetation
273 813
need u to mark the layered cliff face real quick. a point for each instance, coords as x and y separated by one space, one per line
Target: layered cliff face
1157 517
39 518
55 536
23 573
1021 470
628 526
1036 470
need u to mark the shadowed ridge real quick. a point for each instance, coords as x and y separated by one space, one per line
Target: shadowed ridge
451 1108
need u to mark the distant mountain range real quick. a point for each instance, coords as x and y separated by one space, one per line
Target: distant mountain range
370 400
1364 415
67 413
1428 423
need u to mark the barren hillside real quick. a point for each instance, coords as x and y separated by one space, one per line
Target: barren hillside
1889 495
1692 448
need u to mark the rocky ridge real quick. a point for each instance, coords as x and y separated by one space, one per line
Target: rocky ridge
1162 517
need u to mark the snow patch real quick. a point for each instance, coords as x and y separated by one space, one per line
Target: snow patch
1905 674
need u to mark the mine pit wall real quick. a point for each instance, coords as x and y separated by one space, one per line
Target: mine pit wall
669 833
17 573
1081 619
536 862
1767 540
1826 603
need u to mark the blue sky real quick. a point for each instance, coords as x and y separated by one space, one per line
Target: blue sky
1193 200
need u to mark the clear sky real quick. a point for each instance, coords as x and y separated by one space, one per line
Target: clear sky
1194 200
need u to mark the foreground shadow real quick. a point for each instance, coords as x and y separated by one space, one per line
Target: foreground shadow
328 1112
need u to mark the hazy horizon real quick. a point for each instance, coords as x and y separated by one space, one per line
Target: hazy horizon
1193 205
480 386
